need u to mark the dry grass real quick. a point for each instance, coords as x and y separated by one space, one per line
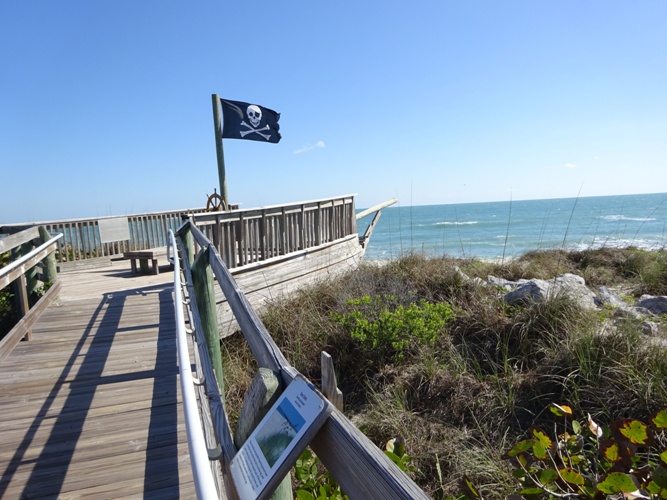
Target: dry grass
492 371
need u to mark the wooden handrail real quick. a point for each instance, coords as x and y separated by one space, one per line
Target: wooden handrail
87 240
359 466
19 267
21 274
14 240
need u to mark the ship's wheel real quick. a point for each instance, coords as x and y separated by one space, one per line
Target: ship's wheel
215 203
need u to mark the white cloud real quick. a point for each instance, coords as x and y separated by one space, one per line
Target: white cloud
318 144
570 165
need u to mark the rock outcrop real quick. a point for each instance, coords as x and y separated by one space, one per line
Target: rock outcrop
536 290
574 287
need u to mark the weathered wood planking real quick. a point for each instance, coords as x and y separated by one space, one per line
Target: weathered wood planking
263 283
90 407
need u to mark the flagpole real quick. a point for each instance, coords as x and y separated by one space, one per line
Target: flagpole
217 123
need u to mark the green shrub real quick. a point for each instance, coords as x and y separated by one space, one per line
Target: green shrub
8 316
386 332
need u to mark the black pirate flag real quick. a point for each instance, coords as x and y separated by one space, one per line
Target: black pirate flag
249 121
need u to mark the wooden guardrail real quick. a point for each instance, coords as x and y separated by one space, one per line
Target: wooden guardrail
243 237
89 240
358 465
31 266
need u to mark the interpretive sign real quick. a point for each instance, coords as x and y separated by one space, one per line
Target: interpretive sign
278 440
113 229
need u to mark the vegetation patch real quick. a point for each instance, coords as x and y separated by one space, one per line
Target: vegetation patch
459 377
389 332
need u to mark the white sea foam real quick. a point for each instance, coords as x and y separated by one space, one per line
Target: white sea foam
623 217
596 223
466 223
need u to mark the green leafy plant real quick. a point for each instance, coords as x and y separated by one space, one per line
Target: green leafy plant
313 482
627 459
395 450
386 330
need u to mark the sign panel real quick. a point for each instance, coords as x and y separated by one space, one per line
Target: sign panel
278 440
114 229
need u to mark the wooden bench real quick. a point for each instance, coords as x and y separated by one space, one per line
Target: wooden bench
143 256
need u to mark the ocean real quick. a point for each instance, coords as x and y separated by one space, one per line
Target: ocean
497 230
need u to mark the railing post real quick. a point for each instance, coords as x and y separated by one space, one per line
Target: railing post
262 393
20 290
353 218
24 303
216 232
49 268
329 385
263 237
241 243
302 229
202 279
31 274
189 244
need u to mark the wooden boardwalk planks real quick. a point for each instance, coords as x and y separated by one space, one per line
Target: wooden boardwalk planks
90 407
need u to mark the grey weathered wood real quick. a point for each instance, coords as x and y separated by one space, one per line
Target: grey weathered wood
282 275
18 267
262 393
21 292
24 325
12 241
202 278
49 268
359 466
260 396
205 372
81 237
96 413
329 385
369 229
144 256
376 208
220 155
30 275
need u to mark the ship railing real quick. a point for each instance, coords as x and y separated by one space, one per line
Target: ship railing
98 240
359 466
31 274
241 236
247 236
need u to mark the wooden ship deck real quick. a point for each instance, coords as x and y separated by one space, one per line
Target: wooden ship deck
90 406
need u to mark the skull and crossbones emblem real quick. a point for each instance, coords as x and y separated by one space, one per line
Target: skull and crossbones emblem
254 114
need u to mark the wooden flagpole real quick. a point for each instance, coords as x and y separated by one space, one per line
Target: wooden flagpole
217 123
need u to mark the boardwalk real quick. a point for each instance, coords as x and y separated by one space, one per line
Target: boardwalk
90 407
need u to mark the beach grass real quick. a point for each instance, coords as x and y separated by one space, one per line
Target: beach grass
461 398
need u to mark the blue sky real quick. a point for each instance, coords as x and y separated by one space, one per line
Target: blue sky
105 106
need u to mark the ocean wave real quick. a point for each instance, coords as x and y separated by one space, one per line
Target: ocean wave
624 217
466 223
644 244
